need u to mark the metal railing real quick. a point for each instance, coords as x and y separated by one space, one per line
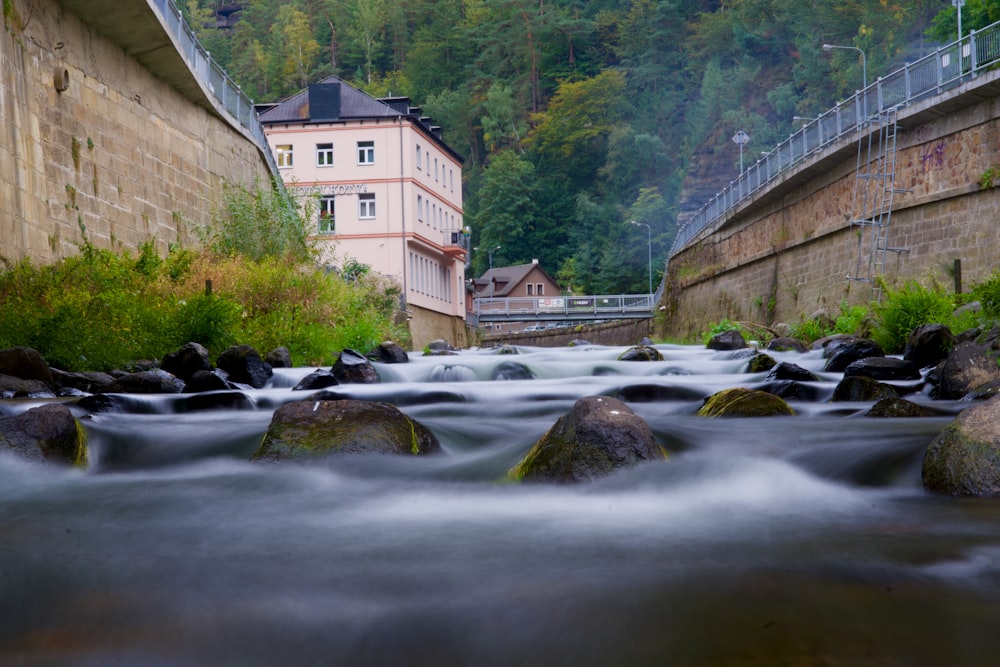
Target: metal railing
614 306
933 74
213 78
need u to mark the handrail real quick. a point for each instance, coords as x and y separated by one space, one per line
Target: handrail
555 307
213 79
935 73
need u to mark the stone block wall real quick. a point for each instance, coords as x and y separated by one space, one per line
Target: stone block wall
90 140
783 260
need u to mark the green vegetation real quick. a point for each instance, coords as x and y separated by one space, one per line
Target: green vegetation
101 310
576 118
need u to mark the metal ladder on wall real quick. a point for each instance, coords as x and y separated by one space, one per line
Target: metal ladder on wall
874 189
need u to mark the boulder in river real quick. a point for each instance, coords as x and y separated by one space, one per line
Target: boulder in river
641 353
389 352
25 363
187 361
597 436
883 368
759 363
862 388
967 367
727 340
964 460
786 344
243 365
317 427
148 382
928 344
841 354
354 368
47 433
743 402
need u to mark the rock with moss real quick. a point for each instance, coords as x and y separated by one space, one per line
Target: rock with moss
964 460
789 371
48 433
760 363
898 407
641 353
439 348
967 367
321 427
786 344
597 436
743 402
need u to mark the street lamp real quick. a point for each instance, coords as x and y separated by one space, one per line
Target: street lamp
958 5
649 245
864 69
490 252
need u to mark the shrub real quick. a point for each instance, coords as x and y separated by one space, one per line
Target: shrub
988 295
905 309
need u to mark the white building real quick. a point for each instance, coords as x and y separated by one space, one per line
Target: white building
389 195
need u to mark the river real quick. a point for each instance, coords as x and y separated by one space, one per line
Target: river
803 540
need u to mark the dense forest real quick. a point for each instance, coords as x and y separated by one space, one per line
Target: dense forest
578 117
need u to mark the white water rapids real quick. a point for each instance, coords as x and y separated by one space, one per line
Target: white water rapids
803 540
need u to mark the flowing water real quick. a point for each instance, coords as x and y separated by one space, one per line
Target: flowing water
801 540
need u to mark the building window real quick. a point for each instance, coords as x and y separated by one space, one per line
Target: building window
284 155
366 152
420 208
419 159
530 289
366 205
435 169
326 216
324 155
451 180
540 289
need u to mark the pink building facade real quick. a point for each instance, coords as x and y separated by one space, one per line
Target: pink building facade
386 191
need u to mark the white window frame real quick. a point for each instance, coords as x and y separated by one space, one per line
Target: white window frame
366 153
366 206
326 222
324 155
284 155
419 158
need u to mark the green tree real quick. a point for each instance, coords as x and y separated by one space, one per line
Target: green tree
506 215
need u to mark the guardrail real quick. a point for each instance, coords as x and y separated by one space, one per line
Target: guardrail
931 75
213 78
495 309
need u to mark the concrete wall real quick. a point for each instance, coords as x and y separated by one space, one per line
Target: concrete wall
789 252
118 151
429 325
621 332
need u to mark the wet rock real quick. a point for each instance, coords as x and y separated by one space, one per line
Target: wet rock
964 460
844 353
791 390
511 370
47 433
243 365
578 342
928 344
15 387
742 402
354 368
279 357
830 344
641 353
148 382
213 380
507 349
389 352
647 393
861 388
316 427
789 371
215 400
439 347
318 379
647 341
781 329
883 368
967 367
186 361
727 340
898 407
597 436
117 403
451 373
91 382
759 363
786 344
27 364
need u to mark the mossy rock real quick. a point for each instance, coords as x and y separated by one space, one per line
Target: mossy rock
964 460
898 407
48 433
759 363
641 353
597 436
318 427
742 402
862 388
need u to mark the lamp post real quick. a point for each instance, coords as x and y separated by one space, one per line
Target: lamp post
649 247
958 5
490 252
864 70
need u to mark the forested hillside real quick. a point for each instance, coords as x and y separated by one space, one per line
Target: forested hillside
576 117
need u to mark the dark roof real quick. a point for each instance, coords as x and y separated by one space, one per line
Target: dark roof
507 278
354 105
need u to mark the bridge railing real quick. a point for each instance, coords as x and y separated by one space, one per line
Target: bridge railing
214 80
563 307
945 68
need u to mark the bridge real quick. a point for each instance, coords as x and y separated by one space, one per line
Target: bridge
564 308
